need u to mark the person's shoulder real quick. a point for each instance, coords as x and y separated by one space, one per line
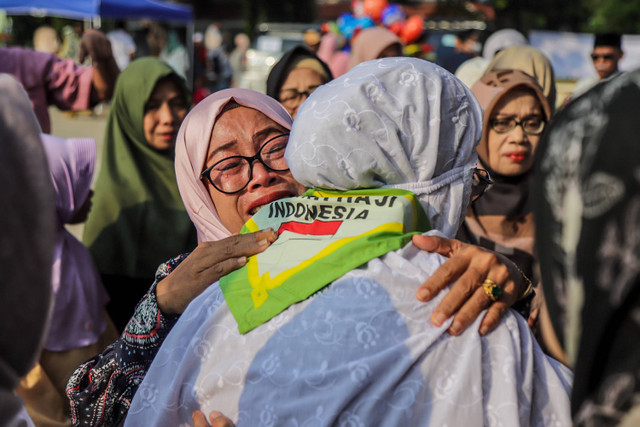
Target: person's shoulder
17 51
583 85
23 62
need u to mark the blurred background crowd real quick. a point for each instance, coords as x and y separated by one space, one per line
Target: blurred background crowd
219 44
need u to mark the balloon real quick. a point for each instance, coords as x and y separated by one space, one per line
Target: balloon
374 8
346 24
392 14
396 28
413 28
364 22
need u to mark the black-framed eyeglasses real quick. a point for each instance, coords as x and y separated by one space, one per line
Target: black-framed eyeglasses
605 57
234 173
481 183
291 97
530 126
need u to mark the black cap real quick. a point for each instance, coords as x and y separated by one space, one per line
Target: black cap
607 39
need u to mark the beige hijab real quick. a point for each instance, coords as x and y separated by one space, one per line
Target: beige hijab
532 61
369 43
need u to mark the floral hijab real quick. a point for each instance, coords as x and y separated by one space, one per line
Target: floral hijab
419 124
588 236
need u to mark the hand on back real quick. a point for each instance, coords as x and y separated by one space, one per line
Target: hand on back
206 265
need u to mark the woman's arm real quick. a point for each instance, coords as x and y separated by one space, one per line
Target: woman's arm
467 268
100 390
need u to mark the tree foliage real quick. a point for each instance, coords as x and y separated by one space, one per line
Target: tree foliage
526 15
622 16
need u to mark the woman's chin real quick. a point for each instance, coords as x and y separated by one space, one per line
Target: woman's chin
514 168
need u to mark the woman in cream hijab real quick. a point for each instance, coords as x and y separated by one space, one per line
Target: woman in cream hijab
357 350
529 60
374 43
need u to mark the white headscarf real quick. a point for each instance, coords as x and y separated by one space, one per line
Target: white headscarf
502 39
393 122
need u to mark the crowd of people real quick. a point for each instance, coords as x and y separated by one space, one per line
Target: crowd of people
377 240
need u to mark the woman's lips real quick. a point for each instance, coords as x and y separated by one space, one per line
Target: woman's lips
517 156
168 136
268 198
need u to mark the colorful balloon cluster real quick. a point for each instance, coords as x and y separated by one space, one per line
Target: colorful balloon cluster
369 13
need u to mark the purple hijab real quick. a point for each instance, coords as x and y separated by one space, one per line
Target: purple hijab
77 319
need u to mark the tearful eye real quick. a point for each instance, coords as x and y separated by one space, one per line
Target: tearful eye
277 149
231 165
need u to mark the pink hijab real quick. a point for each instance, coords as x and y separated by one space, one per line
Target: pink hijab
192 146
79 296
336 59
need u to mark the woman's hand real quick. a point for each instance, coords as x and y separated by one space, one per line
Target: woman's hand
468 266
206 265
215 418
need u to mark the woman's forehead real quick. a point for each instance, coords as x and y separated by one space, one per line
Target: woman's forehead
517 94
241 126
243 120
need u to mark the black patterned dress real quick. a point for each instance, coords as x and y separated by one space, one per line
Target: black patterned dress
100 390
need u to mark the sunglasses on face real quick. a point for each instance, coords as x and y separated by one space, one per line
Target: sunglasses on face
605 57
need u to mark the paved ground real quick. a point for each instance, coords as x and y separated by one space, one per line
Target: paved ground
80 125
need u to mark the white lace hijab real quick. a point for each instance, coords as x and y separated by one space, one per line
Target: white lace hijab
396 123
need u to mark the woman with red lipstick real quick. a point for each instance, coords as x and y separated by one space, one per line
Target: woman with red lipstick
515 114
138 219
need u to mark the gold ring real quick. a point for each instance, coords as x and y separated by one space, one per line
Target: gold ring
492 289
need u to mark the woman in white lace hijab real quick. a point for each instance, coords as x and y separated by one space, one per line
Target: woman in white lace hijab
357 349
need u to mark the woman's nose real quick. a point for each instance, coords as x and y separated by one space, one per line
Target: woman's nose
261 176
518 134
165 114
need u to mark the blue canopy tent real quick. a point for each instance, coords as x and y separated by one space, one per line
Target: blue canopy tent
92 9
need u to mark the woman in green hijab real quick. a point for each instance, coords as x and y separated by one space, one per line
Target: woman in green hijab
138 220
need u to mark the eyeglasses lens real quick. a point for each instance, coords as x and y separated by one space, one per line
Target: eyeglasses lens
531 126
232 174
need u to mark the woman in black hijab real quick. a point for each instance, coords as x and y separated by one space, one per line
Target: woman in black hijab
298 73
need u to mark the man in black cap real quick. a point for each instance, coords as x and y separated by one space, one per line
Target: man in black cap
606 54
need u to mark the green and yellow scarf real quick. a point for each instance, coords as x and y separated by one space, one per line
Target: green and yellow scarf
322 235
